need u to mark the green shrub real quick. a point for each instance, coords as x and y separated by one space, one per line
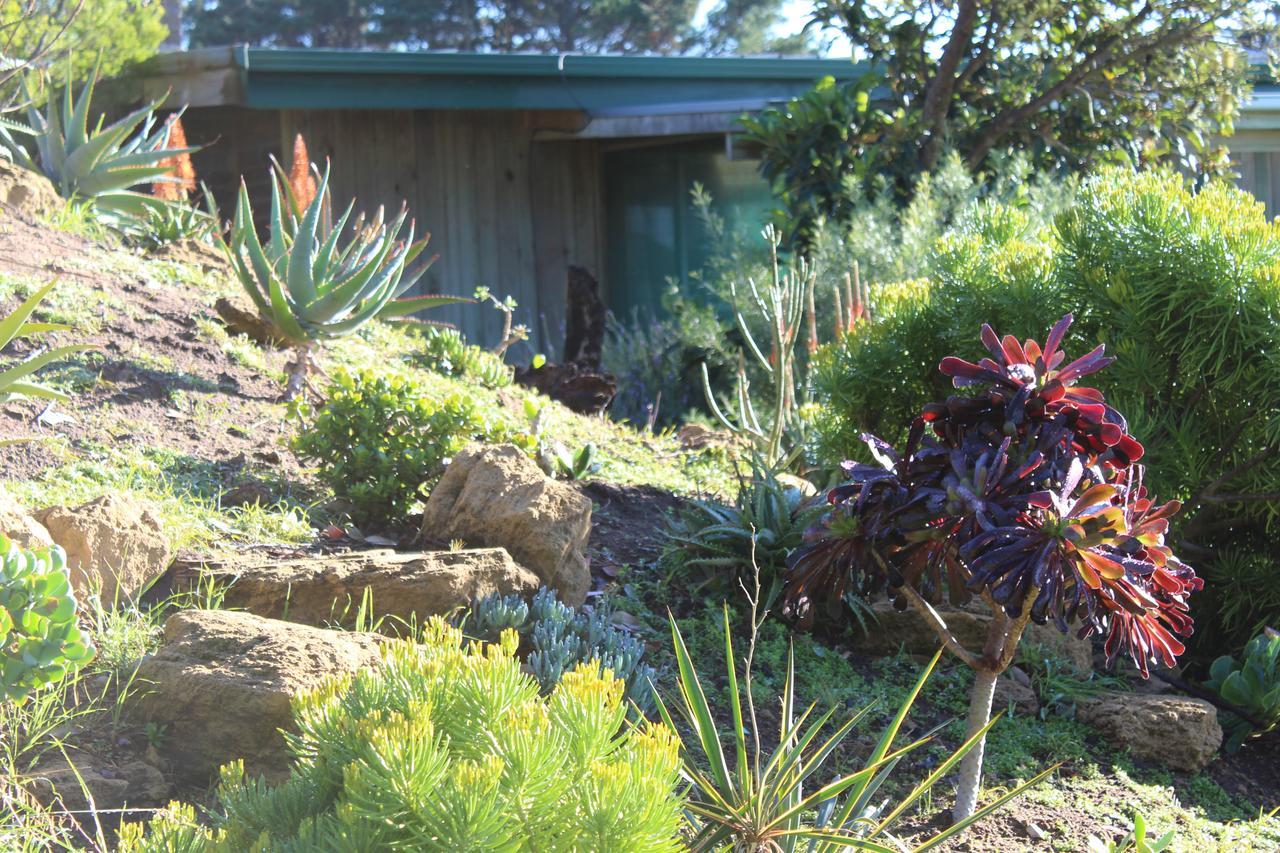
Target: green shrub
451 748
40 638
379 436
446 351
1252 685
559 640
1183 286
658 362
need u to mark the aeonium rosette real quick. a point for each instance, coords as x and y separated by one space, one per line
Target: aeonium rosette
1026 493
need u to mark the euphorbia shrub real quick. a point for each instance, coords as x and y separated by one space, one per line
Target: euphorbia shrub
1025 493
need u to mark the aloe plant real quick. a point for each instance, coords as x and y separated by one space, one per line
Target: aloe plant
310 286
15 380
99 164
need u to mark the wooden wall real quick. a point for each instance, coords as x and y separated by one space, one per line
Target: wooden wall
502 209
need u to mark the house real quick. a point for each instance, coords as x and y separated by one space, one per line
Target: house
518 165
522 165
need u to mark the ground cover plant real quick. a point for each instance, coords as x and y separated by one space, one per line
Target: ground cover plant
1025 493
451 746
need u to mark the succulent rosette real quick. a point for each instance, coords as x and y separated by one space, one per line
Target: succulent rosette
1026 492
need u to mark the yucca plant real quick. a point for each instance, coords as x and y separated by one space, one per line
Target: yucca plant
310 286
781 799
16 380
97 164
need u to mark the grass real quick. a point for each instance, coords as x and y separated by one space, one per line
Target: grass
185 491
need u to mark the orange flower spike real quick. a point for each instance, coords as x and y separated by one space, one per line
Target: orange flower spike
301 182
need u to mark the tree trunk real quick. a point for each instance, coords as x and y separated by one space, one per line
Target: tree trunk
298 370
984 689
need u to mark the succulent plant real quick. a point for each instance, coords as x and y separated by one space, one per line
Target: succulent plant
560 640
1252 685
1025 493
310 285
98 164
15 381
40 637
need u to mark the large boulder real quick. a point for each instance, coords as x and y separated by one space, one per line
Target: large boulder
27 192
1177 731
221 685
19 525
332 589
892 630
496 496
115 544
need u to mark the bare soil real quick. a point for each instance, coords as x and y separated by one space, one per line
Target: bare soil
155 382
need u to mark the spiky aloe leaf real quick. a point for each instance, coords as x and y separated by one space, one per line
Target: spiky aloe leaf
99 163
314 280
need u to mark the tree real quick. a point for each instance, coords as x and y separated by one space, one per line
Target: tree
1070 83
617 26
1027 494
119 32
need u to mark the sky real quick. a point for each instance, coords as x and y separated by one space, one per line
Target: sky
796 15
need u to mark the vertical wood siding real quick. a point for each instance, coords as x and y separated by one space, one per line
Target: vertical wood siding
502 210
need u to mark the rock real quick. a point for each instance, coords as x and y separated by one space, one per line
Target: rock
905 629
325 590
1023 698
56 785
19 525
1177 731
27 192
221 685
496 496
116 545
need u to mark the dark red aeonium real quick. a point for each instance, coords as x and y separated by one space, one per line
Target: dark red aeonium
1028 487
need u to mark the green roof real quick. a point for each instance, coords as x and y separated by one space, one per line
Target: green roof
272 78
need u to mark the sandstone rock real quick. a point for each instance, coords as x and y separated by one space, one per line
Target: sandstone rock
893 629
56 785
27 192
328 590
19 525
115 545
1010 690
221 685
498 497
1178 731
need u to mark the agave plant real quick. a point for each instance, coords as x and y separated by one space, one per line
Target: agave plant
1025 493
310 286
97 164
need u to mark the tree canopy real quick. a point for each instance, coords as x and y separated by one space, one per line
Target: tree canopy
116 32
1071 83
616 26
